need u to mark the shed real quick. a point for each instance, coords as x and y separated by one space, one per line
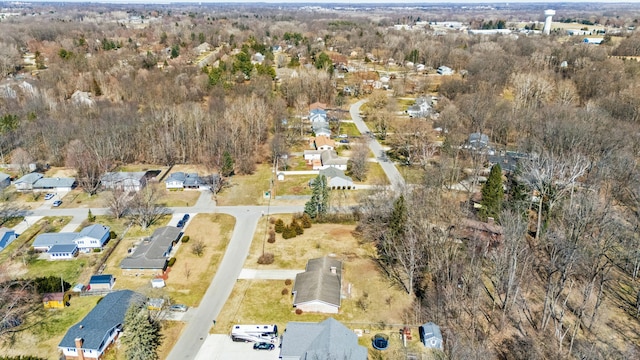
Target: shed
101 282
280 176
431 336
53 300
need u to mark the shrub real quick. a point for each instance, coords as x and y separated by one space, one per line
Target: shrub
97 250
295 225
298 311
288 232
171 261
285 291
112 235
279 226
272 220
185 239
266 259
287 282
272 237
305 219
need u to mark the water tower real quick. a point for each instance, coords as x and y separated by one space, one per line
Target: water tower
548 14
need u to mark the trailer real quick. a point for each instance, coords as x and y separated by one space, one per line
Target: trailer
255 333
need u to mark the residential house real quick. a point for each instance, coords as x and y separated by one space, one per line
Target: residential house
89 238
92 336
317 115
336 179
153 253
318 105
328 339
431 336
508 160
321 129
330 158
63 252
593 41
101 282
6 237
54 184
5 180
318 288
53 300
421 108
126 181
488 234
203 48
26 182
444 70
311 155
322 143
191 181
479 143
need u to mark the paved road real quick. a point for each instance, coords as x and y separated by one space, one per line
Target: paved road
397 181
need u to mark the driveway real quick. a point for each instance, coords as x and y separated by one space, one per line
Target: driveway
269 274
221 347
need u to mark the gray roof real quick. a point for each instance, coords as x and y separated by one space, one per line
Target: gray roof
332 172
50 183
30 178
429 331
330 157
4 176
106 315
152 253
63 248
326 340
318 283
95 231
121 176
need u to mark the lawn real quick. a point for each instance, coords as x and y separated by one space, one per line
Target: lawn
370 302
349 129
293 185
375 175
247 189
48 329
176 198
81 199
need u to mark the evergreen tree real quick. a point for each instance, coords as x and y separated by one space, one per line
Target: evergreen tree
297 227
142 334
492 195
227 164
305 220
319 203
279 226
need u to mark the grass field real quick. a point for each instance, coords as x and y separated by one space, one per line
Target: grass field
247 189
370 302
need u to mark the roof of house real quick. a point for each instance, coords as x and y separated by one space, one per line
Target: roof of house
328 339
56 296
332 172
95 231
330 157
4 176
324 141
57 182
63 248
5 230
121 176
101 279
318 111
188 179
106 315
318 282
151 254
30 178
428 331
317 105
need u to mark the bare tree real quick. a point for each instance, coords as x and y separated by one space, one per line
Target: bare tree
197 247
21 158
88 163
145 209
118 202
18 299
358 165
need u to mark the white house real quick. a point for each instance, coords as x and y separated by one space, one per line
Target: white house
445 70
322 143
336 179
26 182
91 237
63 252
330 158
54 184
182 181
318 288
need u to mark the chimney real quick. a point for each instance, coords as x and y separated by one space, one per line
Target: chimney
79 342
333 270
490 221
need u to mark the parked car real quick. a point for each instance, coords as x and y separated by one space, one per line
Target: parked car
180 223
57 203
344 141
178 307
49 196
263 346
185 218
343 136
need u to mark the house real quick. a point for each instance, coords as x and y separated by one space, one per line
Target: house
444 70
63 252
101 282
153 253
53 300
317 115
317 105
125 181
318 288
593 41
321 129
322 143
181 181
54 184
203 48
421 108
6 237
488 234
26 182
479 143
329 158
336 179
311 155
5 180
89 238
95 333
507 160
431 336
328 339
155 304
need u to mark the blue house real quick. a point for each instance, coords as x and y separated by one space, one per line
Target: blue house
431 336
62 252
89 238
6 237
93 335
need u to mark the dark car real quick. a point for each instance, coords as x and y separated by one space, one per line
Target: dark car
263 346
180 223
185 218
57 203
